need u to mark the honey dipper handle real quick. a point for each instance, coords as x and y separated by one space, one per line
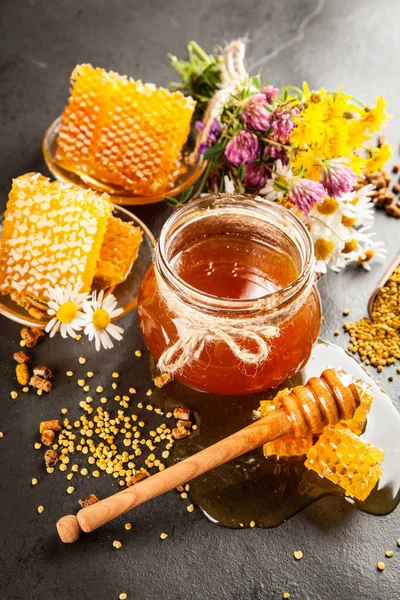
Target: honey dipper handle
262 431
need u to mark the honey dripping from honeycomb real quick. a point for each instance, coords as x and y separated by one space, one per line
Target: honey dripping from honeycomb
338 455
123 132
357 423
118 252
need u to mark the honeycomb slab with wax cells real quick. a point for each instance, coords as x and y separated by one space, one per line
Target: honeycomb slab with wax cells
52 235
118 252
287 445
343 458
123 132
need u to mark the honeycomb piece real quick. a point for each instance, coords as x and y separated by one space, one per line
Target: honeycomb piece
287 445
52 236
357 423
118 252
80 117
343 458
122 131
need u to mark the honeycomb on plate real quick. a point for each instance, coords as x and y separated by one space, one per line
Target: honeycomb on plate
118 252
345 459
52 235
121 131
287 445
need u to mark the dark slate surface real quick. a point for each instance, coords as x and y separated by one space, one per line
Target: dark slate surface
328 43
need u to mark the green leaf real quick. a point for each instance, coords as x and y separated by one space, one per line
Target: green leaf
280 186
186 195
171 201
215 150
241 172
200 75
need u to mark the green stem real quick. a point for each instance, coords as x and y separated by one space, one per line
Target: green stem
204 179
360 102
194 47
268 141
319 160
291 87
328 227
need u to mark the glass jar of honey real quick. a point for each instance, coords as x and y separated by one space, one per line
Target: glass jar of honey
230 300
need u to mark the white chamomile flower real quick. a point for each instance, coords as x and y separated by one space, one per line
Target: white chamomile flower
97 320
335 261
64 308
364 248
358 207
279 183
328 235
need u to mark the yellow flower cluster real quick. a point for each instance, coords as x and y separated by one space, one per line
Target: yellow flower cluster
335 125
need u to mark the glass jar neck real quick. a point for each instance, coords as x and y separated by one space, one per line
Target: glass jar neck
243 215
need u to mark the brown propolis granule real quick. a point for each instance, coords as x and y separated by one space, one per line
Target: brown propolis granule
52 425
21 357
377 340
31 336
162 380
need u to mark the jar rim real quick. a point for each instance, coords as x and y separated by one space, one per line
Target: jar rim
203 207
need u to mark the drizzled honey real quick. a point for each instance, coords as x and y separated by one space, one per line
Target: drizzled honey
269 490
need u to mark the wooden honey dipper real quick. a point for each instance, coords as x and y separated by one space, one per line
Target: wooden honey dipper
305 409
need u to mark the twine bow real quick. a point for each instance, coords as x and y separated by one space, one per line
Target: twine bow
205 329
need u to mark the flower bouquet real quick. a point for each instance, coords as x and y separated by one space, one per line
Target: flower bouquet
308 150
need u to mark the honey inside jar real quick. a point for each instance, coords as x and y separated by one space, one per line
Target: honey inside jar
235 259
234 266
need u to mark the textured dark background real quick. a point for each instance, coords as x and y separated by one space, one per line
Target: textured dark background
354 43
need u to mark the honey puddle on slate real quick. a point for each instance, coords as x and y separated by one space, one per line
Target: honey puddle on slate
269 491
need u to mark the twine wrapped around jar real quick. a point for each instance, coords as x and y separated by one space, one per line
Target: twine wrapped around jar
204 329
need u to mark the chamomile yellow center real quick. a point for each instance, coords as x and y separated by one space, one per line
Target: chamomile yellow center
349 246
348 221
101 318
328 207
67 312
367 256
323 248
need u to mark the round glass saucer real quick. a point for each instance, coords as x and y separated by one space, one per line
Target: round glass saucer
126 292
120 195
